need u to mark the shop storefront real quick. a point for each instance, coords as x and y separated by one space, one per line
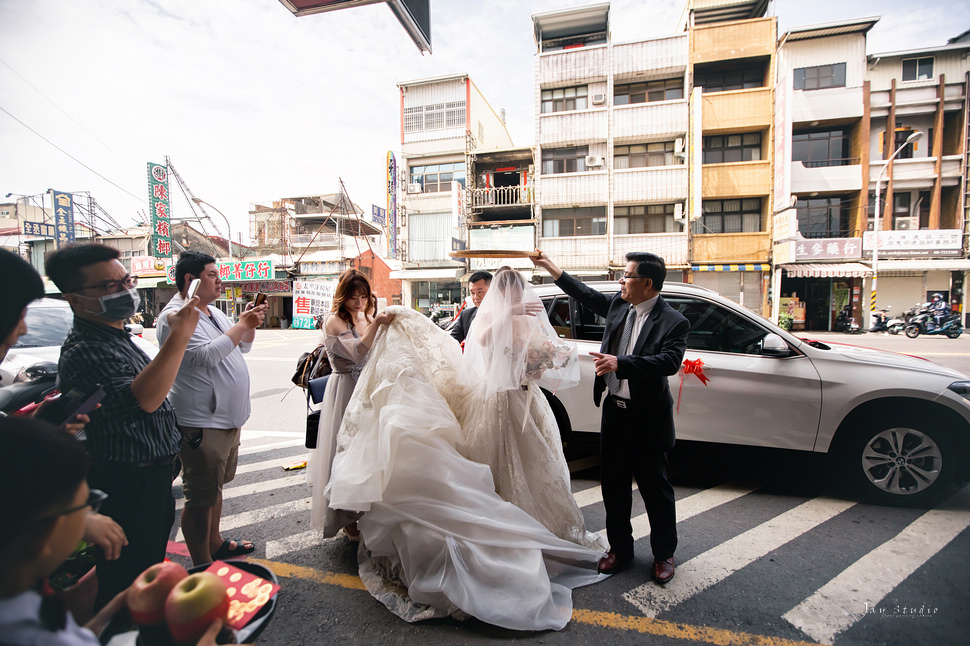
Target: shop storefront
425 289
745 284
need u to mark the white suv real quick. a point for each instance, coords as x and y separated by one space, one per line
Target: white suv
899 426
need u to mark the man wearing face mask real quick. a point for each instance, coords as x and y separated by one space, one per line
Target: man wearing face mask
132 439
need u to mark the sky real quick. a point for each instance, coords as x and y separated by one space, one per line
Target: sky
252 104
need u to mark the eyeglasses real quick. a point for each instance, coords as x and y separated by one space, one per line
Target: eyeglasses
113 286
95 498
624 277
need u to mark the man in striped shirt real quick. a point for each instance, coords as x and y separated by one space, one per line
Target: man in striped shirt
132 439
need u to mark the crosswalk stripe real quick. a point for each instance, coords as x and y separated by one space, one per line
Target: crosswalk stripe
716 564
260 515
256 448
257 487
297 542
838 604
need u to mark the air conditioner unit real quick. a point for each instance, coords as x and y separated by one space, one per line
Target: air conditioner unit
910 223
599 99
594 160
414 188
679 147
679 212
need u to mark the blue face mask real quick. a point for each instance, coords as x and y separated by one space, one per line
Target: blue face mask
118 306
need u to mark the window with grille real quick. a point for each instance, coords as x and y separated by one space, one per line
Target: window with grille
564 98
918 69
735 78
820 77
437 178
436 116
732 148
663 90
564 160
730 216
650 218
660 153
579 221
823 217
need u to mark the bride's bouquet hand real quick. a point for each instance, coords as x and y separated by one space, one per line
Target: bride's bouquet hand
383 318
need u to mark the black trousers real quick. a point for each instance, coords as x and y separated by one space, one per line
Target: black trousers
140 500
628 450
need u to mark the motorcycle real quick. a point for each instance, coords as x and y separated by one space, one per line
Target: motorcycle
925 323
879 321
845 322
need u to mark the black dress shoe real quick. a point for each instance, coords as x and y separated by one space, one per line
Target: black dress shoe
663 571
613 563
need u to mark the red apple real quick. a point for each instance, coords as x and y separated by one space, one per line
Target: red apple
146 598
193 604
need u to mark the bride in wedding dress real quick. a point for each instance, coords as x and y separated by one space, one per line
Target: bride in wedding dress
426 443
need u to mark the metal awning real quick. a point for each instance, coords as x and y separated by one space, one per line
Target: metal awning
757 266
828 270
154 281
942 264
445 273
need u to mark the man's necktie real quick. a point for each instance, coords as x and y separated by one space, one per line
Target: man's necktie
621 348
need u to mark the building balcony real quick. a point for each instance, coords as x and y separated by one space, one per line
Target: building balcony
573 128
503 202
731 247
918 99
917 173
827 105
736 179
579 252
573 66
672 247
660 58
655 184
736 110
826 177
733 40
649 121
574 189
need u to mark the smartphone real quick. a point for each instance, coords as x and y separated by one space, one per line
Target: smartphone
64 409
193 288
260 299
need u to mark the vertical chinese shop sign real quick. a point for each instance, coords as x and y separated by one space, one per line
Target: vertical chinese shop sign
158 202
63 218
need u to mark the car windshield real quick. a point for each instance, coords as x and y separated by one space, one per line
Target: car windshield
46 326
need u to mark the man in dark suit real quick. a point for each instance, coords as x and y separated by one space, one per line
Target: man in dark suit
477 287
643 343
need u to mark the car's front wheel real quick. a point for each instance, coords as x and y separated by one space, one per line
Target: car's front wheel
902 460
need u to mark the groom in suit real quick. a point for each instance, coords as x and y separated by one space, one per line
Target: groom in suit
477 287
643 344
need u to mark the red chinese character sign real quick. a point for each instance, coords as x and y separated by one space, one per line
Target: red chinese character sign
160 209
240 270
310 299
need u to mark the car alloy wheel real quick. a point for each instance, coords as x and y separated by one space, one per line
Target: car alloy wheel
902 461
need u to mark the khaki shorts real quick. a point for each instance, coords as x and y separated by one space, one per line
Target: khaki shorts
208 467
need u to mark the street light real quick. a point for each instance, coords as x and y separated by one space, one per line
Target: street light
875 239
199 200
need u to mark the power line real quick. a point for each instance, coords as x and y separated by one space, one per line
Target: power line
141 199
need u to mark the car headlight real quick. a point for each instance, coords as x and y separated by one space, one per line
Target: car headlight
961 388
36 372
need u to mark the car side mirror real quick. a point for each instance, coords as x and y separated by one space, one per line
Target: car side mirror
774 346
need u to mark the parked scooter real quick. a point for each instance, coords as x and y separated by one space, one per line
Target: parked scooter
925 323
20 394
879 320
845 322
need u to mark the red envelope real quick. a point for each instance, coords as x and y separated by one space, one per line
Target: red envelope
247 592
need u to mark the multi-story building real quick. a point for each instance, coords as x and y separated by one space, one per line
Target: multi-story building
732 71
841 115
611 127
822 138
445 122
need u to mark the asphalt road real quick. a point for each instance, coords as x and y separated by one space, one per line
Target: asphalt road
770 552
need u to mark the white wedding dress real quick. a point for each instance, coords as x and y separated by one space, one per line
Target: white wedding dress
437 538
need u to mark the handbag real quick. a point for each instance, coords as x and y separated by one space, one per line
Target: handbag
316 388
311 365
312 428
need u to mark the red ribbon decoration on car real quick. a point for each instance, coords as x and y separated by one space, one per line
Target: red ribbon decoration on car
691 367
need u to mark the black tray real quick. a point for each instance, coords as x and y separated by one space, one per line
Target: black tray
121 631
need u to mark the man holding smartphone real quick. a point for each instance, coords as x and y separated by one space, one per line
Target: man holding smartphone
132 439
211 401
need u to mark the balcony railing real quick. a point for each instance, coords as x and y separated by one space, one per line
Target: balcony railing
824 163
501 196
